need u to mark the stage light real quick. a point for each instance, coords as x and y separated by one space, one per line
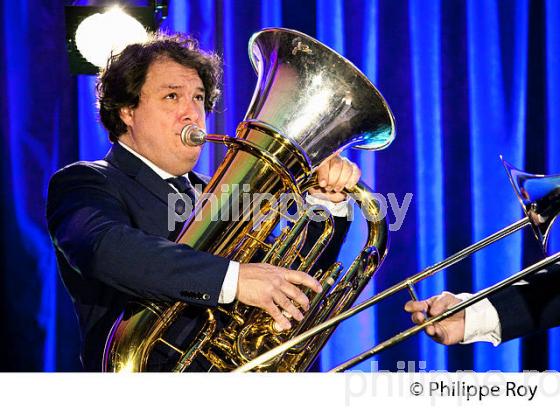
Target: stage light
100 35
94 32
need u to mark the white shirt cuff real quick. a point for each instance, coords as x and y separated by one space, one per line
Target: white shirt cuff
482 323
229 287
339 209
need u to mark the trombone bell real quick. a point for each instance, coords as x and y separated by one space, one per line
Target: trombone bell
539 196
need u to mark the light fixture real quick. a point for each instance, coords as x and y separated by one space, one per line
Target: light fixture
93 32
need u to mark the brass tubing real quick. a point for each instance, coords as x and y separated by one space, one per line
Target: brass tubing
203 336
272 250
332 275
292 236
344 291
319 246
508 230
450 312
338 296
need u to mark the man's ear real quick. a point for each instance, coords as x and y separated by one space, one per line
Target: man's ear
126 114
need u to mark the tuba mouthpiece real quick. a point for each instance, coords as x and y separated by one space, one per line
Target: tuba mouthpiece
192 135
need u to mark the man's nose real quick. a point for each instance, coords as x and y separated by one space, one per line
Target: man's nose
190 113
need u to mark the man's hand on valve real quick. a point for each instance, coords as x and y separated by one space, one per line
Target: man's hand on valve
334 175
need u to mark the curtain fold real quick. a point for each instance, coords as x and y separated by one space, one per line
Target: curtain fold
552 12
425 39
496 115
93 138
457 77
35 128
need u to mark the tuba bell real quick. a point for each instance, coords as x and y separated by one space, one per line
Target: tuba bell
309 103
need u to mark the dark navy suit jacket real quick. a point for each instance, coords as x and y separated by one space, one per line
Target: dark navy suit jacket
530 307
108 222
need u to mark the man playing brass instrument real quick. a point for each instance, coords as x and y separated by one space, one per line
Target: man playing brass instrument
108 219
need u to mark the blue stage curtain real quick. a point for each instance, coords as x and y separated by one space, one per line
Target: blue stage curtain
37 138
552 12
425 55
497 66
462 79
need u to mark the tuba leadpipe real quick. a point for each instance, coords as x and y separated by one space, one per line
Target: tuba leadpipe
539 196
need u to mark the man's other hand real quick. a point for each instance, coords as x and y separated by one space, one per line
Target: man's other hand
334 175
274 289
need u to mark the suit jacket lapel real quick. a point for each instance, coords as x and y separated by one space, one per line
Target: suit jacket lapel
143 174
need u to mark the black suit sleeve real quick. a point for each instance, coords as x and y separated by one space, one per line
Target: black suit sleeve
90 226
527 308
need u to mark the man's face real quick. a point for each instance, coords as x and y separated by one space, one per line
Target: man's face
172 96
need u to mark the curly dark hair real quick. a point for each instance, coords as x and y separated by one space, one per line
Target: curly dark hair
120 83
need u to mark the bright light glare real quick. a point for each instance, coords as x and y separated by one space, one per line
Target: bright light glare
318 98
100 34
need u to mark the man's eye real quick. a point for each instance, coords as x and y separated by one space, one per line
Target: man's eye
171 96
199 97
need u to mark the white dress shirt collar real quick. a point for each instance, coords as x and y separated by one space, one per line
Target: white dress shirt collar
162 173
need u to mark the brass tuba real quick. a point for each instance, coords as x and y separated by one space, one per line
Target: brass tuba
309 103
